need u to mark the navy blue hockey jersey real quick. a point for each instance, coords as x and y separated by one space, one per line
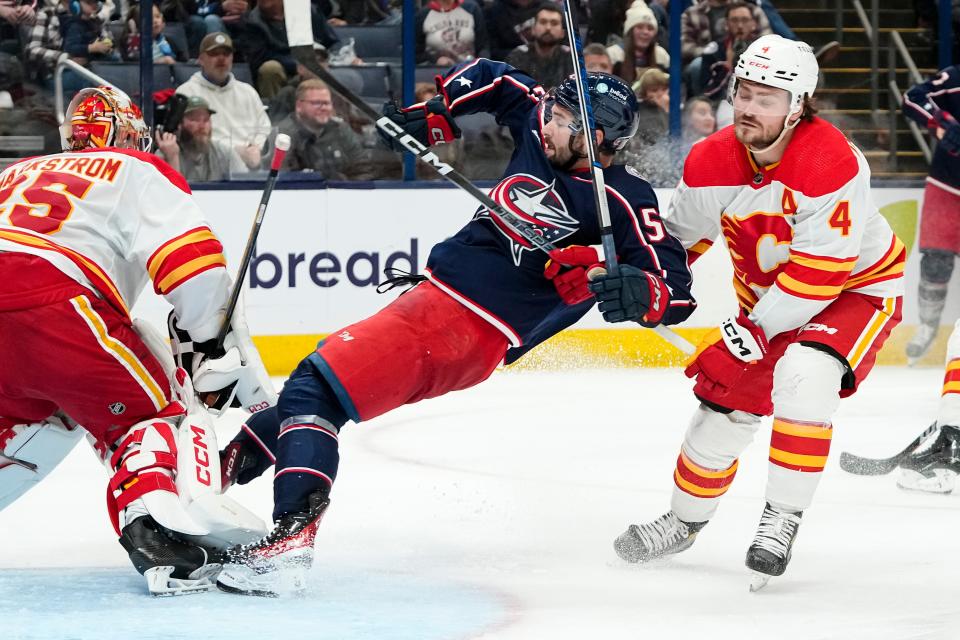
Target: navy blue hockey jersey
492 270
940 92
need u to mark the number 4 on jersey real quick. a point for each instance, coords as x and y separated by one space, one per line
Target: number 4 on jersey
840 218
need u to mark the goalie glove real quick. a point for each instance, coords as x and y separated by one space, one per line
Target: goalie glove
229 376
429 122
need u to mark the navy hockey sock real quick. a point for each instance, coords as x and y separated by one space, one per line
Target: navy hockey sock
307 445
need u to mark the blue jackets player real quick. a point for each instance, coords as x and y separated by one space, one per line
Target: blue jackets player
488 295
935 105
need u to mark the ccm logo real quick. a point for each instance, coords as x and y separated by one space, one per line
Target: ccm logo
816 326
201 455
734 338
260 406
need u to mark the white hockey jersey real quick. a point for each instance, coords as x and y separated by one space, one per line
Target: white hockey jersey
799 232
114 220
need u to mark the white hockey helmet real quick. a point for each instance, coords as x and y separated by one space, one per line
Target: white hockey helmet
103 117
777 62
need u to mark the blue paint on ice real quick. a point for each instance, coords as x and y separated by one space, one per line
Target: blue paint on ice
106 604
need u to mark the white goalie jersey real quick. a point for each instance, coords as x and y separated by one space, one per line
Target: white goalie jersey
113 220
799 232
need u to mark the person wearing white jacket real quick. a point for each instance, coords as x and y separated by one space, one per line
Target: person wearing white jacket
240 119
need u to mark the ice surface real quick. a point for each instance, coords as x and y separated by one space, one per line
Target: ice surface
491 513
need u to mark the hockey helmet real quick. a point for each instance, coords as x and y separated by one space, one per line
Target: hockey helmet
103 117
615 107
774 61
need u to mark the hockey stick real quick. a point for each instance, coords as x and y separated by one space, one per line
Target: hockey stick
590 126
860 466
281 145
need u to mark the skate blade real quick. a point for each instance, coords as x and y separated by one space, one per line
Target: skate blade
758 581
942 482
243 580
161 584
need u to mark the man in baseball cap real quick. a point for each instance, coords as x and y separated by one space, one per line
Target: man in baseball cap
192 150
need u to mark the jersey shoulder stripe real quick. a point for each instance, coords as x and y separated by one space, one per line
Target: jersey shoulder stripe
719 160
168 172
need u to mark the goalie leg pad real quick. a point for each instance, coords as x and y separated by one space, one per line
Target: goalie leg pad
806 394
144 462
29 452
707 463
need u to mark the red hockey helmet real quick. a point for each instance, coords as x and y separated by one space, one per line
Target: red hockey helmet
104 117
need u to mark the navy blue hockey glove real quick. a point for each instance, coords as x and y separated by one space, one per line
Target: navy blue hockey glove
951 131
429 122
634 295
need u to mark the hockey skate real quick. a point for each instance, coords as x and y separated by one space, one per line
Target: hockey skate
666 535
933 469
921 342
278 563
772 547
171 567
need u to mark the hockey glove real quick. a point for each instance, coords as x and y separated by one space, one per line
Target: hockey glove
951 131
634 294
567 269
725 355
228 376
429 122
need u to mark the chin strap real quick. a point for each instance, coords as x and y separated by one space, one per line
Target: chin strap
786 127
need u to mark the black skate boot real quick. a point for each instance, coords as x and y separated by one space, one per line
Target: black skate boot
276 564
666 535
933 469
171 566
772 546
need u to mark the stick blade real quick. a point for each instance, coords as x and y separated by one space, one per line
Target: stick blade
860 466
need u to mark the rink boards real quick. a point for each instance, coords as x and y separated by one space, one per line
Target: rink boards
321 254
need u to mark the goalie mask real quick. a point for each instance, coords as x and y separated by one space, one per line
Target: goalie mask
103 117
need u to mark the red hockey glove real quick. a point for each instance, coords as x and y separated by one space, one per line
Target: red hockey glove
725 354
567 268
429 122
634 294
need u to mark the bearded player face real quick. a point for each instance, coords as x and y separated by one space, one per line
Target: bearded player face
758 113
558 135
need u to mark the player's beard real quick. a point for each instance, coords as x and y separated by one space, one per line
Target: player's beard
757 136
565 156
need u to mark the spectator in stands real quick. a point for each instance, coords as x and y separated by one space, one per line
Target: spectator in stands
45 44
546 59
163 50
266 48
510 24
321 142
705 22
85 35
653 91
720 57
450 31
596 58
239 117
698 120
354 12
192 151
640 50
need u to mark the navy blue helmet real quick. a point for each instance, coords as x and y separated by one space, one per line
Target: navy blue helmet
614 107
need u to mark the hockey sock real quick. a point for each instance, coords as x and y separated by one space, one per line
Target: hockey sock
307 444
707 463
806 393
949 410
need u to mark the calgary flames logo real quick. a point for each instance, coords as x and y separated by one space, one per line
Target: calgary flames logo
535 203
758 243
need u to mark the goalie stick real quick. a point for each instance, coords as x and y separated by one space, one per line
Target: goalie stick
861 466
281 144
304 55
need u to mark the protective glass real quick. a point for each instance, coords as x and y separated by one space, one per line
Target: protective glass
758 99
563 117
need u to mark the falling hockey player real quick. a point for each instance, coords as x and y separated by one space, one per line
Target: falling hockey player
935 105
487 297
818 278
81 234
